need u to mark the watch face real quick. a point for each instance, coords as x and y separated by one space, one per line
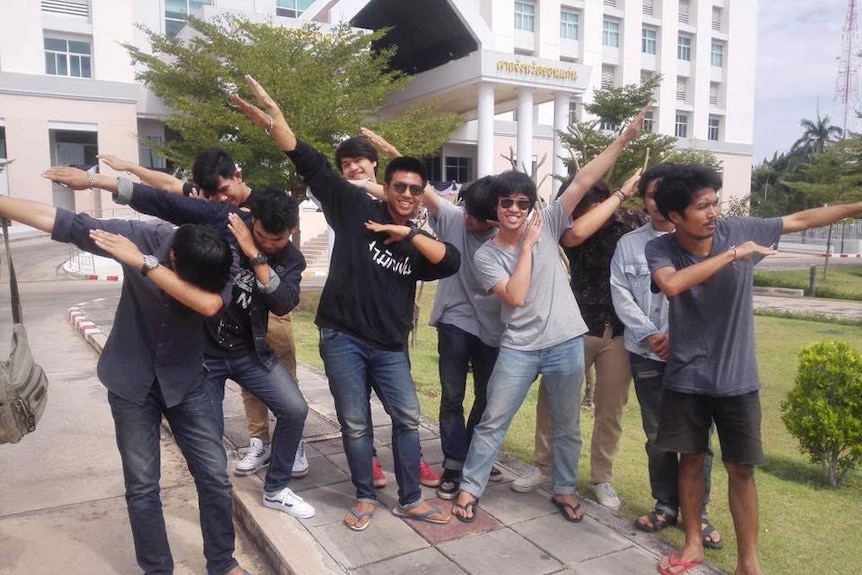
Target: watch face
151 262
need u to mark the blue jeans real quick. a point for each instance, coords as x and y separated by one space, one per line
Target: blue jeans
351 364
515 371
459 350
648 375
280 392
196 427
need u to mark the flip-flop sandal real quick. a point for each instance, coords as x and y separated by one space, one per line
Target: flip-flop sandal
469 507
360 515
708 542
427 516
655 521
565 507
674 562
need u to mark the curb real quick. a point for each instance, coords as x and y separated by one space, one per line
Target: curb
91 333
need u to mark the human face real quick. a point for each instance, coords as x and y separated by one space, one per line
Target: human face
230 190
403 204
512 217
651 208
698 220
267 242
358 168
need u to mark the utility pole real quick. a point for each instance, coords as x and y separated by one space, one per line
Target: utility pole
847 83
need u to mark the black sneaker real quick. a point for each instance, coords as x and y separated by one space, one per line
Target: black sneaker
496 474
450 483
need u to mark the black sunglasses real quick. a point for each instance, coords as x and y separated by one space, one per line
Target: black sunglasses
523 205
401 187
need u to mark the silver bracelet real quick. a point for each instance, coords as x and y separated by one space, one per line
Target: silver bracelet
621 195
89 179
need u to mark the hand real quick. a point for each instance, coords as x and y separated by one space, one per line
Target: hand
243 235
749 248
633 130
119 247
68 176
630 186
533 230
660 344
396 232
115 163
268 115
381 143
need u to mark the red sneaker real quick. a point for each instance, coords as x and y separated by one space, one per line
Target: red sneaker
377 473
427 476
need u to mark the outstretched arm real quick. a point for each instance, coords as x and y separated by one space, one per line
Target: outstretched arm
598 166
34 214
817 217
152 178
266 114
589 223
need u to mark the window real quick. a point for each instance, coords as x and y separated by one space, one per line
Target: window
649 40
178 11
648 7
713 94
434 167
2 142
291 8
611 33
611 3
683 11
680 129
683 47
69 7
648 122
569 24
65 57
525 16
716 18
714 128
573 112
681 88
609 75
457 169
145 153
716 54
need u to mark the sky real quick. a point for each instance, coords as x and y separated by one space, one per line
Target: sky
798 46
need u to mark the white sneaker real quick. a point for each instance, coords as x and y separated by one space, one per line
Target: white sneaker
256 458
300 462
606 495
289 502
530 481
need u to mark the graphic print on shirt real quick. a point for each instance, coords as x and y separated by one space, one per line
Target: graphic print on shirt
235 322
383 256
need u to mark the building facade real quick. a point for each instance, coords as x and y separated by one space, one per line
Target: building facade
517 70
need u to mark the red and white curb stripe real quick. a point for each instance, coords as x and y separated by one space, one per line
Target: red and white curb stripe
91 333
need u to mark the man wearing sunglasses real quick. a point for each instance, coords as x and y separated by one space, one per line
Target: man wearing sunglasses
377 251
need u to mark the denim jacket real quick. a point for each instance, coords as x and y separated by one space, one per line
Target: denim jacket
642 312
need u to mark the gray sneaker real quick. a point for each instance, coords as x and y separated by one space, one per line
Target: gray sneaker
606 495
300 461
256 457
530 481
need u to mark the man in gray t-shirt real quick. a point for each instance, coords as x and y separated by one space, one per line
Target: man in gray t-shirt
705 270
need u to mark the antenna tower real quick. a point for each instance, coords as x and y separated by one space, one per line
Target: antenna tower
847 83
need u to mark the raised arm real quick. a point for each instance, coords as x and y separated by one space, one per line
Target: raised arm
818 217
590 222
34 214
513 291
598 166
266 114
153 178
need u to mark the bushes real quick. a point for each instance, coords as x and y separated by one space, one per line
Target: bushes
824 409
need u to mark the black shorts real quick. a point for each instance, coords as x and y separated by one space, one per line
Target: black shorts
685 420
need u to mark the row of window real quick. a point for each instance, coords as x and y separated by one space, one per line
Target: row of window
683 11
682 120
178 11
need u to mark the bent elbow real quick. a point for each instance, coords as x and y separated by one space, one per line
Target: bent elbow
212 309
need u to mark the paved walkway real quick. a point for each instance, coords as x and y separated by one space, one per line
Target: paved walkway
513 533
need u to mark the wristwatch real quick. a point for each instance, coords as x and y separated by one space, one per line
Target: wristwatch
257 260
151 262
414 230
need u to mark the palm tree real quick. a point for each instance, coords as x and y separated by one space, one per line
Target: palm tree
816 135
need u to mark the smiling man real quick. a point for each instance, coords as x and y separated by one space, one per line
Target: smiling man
377 251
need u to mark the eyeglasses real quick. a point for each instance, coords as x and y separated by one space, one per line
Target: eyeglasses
523 205
401 187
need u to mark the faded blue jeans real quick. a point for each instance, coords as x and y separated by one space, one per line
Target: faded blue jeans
197 428
352 364
515 371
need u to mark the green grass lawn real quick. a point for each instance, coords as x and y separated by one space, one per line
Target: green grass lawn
805 527
842 282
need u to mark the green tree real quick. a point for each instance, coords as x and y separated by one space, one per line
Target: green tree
816 136
330 83
833 175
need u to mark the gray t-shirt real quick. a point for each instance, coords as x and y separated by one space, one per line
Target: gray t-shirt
460 300
711 325
550 314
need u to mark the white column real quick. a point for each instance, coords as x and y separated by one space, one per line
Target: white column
525 129
485 138
561 122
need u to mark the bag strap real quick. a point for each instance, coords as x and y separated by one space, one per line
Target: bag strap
17 315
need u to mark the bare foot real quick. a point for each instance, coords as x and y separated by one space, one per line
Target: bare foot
424 512
570 508
360 516
464 508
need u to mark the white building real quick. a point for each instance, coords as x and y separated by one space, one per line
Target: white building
516 69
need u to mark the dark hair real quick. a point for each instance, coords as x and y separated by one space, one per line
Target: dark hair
202 256
208 166
276 210
655 172
478 200
406 164
356 147
510 182
599 192
681 184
